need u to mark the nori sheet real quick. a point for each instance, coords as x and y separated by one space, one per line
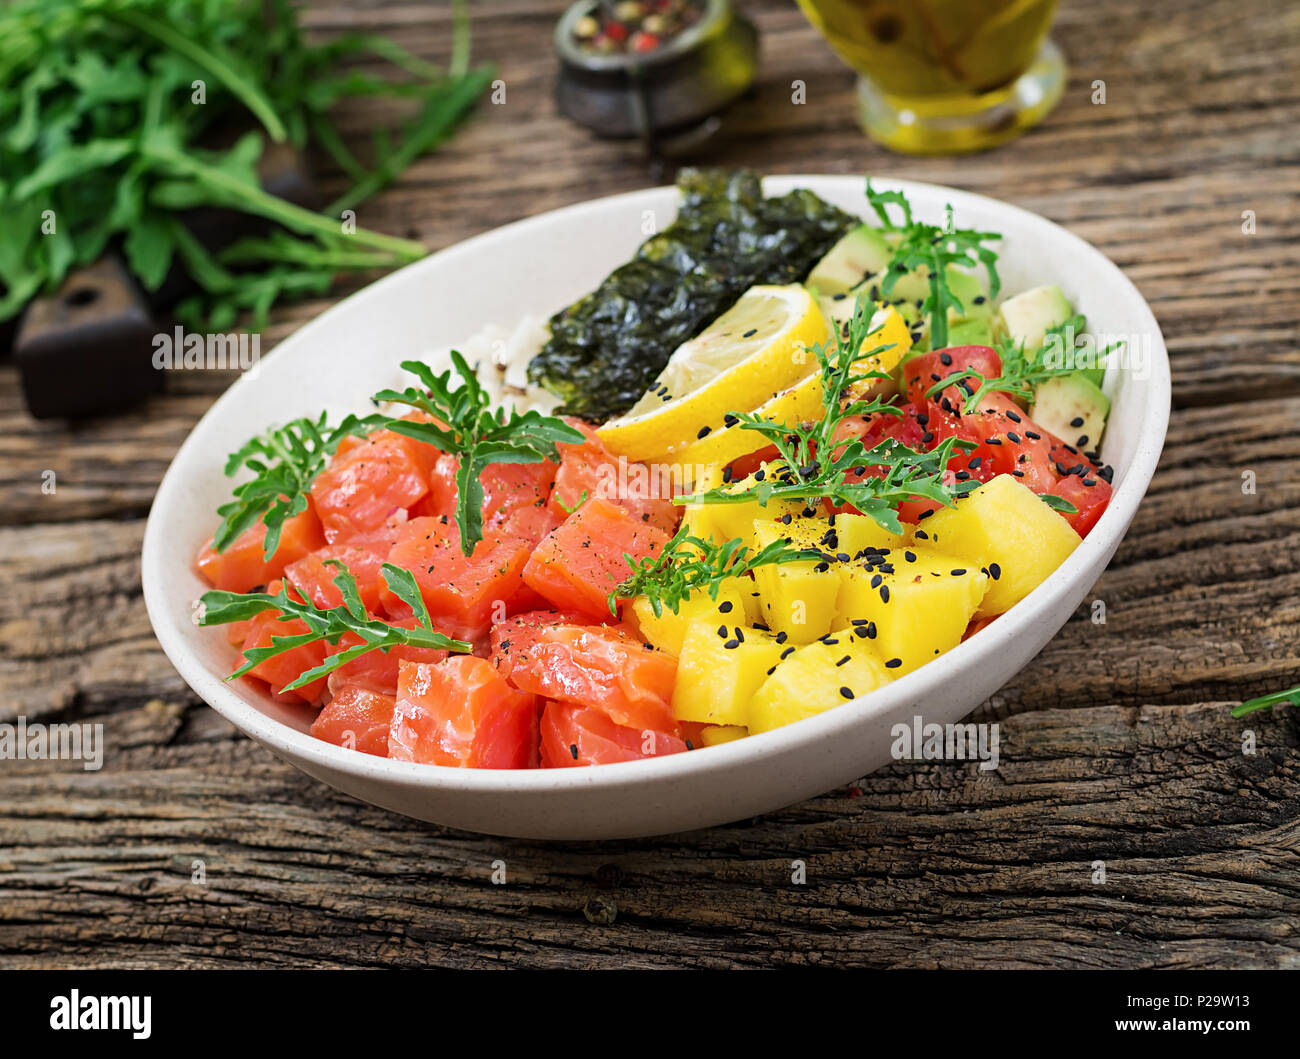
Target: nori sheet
606 348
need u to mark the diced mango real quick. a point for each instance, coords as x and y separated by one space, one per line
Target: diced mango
736 521
667 630
696 516
717 734
812 679
717 675
915 613
799 599
1006 529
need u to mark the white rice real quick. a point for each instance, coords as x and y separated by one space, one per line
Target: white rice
499 356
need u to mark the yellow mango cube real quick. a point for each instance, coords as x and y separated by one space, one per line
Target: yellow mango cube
667 630
717 734
717 674
1004 528
814 678
914 613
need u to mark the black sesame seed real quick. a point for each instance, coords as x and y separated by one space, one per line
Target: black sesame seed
787 651
893 663
843 661
846 692
1013 417
958 571
726 606
884 593
704 432
871 630
573 749
909 556
781 638
995 571
750 333
1076 422
945 359
1035 437
876 581
731 645
1013 437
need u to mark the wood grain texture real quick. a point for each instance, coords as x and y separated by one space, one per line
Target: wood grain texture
1117 745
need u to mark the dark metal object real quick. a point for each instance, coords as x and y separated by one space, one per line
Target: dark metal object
671 91
90 346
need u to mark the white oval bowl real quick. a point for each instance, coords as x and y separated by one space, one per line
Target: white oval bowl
537 266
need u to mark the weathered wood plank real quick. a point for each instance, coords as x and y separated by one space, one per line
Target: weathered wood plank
1198 841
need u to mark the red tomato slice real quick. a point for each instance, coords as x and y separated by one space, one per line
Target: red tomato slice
240 567
574 735
1089 493
285 668
921 373
462 713
363 487
1017 445
596 666
468 592
577 565
591 469
357 718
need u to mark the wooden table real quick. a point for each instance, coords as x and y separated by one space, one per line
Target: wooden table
1117 744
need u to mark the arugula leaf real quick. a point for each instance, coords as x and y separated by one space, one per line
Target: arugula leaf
1290 697
917 244
1022 370
284 462
688 564
1058 503
466 425
98 124
815 466
329 623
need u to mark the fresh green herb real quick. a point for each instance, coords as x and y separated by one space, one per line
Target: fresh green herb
329 623
689 564
1058 503
114 116
468 426
580 501
284 461
1022 370
933 247
1290 697
814 465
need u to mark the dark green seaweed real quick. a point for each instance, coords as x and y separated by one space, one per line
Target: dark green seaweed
606 348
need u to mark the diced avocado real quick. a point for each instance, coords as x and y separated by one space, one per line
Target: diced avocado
1027 316
970 292
858 255
976 332
1073 408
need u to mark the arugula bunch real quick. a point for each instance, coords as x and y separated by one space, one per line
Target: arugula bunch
1022 370
466 424
918 244
110 121
329 624
284 461
689 564
815 465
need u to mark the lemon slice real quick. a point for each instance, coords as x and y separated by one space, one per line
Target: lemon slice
727 440
749 354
